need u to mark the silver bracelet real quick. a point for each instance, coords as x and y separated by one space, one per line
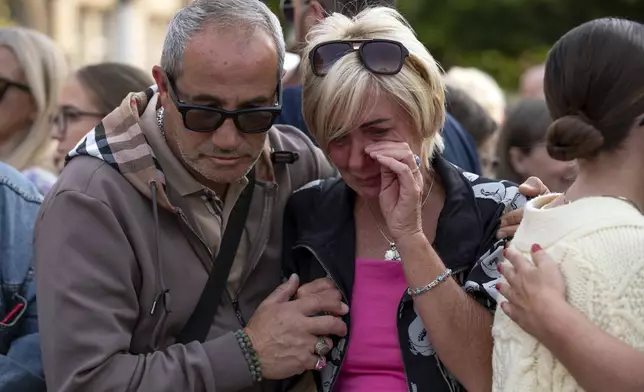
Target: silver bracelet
422 290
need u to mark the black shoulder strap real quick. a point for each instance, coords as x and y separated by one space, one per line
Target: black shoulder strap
203 316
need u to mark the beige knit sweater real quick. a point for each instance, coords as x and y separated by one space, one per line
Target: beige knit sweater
599 242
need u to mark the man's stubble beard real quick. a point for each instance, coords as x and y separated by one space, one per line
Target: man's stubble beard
212 176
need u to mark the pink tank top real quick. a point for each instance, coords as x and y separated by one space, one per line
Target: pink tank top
374 359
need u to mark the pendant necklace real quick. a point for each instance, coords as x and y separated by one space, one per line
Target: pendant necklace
392 253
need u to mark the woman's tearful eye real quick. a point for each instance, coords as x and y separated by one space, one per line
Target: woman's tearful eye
376 132
339 141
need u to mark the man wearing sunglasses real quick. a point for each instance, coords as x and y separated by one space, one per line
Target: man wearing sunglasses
302 15
159 249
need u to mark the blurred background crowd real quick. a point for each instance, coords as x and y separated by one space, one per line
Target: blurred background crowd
492 53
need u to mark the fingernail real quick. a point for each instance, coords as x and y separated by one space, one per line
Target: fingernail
345 308
498 286
498 267
535 248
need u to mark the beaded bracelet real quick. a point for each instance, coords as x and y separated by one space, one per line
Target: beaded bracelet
250 354
422 290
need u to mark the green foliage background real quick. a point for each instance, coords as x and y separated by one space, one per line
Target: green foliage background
502 37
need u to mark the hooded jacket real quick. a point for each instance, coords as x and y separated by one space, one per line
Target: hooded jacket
120 268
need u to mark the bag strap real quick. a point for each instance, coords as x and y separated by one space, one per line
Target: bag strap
203 317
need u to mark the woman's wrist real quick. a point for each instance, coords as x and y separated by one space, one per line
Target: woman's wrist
411 240
416 248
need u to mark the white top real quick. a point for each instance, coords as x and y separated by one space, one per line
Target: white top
599 242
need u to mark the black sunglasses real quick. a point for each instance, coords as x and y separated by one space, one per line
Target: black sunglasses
5 84
198 118
380 56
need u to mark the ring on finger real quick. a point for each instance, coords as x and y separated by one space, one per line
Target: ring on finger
321 348
320 364
417 160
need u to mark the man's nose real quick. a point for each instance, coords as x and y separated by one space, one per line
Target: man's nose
227 136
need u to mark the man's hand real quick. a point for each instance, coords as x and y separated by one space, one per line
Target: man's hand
320 287
532 187
284 334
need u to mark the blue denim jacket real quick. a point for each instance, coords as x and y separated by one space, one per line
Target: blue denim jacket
20 361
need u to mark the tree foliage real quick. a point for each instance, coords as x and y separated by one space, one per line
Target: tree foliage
502 37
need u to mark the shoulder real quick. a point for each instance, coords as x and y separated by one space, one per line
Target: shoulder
19 205
16 187
319 194
611 240
94 179
495 192
460 148
311 164
43 179
288 137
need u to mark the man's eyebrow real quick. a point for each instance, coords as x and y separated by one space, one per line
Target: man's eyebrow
373 122
208 99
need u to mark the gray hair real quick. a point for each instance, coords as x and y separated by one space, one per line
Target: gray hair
235 14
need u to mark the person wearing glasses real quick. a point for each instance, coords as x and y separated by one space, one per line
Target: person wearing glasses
302 16
87 96
574 320
20 362
176 183
32 71
522 147
410 240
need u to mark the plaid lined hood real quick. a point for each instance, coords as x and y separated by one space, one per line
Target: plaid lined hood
118 140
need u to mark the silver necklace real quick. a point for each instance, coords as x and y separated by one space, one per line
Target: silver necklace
160 120
392 253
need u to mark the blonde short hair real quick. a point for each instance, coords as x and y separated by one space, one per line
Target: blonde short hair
333 105
481 87
45 67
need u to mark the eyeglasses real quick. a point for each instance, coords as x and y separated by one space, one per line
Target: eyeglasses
67 115
5 84
380 56
198 118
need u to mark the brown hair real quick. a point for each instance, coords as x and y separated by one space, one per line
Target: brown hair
594 87
525 126
110 83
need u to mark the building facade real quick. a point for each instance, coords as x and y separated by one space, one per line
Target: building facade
129 31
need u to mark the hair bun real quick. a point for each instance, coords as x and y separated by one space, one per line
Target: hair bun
573 136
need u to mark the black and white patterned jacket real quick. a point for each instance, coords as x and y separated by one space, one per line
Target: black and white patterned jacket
319 240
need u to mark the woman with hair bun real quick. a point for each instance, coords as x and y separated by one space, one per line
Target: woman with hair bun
573 319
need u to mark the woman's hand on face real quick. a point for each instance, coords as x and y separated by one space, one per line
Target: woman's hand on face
401 187
531 288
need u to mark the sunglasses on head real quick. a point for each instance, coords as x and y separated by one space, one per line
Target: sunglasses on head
6 83
199 118
380 56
